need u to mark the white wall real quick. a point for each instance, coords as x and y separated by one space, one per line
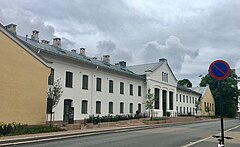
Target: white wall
154 80
77 94
190 104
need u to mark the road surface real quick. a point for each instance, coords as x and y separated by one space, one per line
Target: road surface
195 135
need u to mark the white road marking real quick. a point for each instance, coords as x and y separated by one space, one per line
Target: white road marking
201 140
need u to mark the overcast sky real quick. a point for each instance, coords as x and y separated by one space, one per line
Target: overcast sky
190 34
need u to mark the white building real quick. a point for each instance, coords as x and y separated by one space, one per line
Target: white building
163 84
96 87
186 100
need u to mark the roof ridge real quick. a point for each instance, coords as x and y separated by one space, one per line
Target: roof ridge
144 64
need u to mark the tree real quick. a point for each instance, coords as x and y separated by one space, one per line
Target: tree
228 91
185 82
198 106
149 105
54 94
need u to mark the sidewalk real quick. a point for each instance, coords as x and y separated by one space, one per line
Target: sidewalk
31 138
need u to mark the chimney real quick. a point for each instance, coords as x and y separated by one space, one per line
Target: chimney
122 63
73 50
35 35
163 60
45 42
82 51
12 28
106 58
57 42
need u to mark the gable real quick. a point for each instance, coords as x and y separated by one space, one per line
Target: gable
160 73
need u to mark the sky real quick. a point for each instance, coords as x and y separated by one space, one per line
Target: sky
190 34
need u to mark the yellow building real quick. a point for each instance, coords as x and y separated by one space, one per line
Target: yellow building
207 103
23 81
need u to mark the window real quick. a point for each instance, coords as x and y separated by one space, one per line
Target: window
164 77
121 88
98 107
69 79
177 109
99 84
51 77
190 111
84 106
139 108
183 110
131 89
139 91
187 110
187 98
180 98
176 97
84 82
110 108
110 86
121 107
190 99
131 108
184 98
193 111
193 100
205 106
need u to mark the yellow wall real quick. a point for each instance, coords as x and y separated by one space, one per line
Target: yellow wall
208 98
23 85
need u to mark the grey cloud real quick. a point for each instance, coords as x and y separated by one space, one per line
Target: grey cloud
109 47
173 50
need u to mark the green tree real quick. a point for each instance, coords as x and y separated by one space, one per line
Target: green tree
227 89
149 105
54 93
198 106
185 82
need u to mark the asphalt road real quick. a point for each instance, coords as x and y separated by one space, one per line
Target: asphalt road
196 135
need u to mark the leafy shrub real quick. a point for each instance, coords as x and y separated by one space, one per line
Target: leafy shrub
110 118
19 129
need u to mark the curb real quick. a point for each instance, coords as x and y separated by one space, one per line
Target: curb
54 137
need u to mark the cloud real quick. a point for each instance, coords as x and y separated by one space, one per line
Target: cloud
108 47
173 50
136 31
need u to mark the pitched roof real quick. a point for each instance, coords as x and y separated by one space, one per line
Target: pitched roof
22 44
141 69
179 87
43 47
201 90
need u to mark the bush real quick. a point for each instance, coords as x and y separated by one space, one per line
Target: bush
110 118
19 129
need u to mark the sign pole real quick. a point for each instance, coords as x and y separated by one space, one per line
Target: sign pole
220 70
221 113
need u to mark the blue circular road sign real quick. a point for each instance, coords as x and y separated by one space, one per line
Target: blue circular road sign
219 70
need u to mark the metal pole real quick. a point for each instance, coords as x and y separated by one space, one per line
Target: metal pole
221 113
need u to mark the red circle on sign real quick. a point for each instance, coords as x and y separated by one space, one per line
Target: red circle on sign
225 74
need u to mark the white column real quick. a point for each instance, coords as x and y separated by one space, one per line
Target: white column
167 99
160 100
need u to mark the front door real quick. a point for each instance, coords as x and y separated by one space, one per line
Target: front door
67 109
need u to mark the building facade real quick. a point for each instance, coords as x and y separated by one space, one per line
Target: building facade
97 87
186 101
23 81
207 103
